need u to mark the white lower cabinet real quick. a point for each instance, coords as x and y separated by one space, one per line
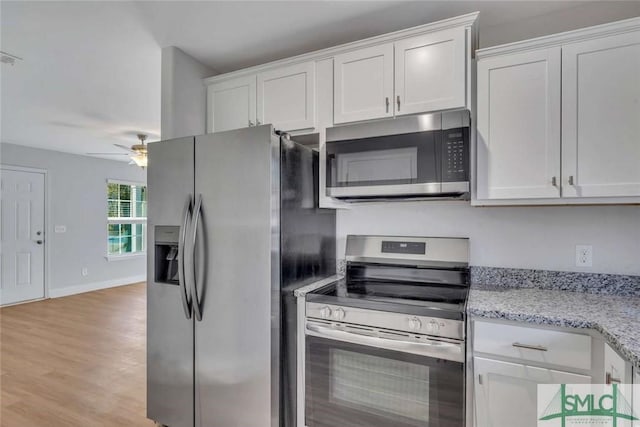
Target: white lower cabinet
506 393
616 369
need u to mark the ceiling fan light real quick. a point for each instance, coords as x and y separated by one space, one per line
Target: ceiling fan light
140 160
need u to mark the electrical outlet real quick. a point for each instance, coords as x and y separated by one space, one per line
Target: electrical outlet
584 255
85 271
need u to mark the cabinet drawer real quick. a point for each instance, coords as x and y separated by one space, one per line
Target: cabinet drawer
533 344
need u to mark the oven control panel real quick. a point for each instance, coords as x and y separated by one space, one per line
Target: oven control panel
424 325
455 156
395 247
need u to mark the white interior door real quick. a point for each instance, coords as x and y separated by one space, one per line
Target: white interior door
601 117
22 236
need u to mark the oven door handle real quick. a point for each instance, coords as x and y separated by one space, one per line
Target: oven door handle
430 348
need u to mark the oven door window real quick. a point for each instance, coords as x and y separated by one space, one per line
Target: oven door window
386 160
352 385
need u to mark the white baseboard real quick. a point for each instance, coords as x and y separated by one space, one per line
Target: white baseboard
88 287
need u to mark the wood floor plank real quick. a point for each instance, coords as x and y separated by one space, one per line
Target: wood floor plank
75 361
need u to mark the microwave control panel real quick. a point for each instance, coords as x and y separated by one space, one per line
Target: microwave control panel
455 155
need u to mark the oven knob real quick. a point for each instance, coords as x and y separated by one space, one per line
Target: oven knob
415 324
325 312
339 314
433 327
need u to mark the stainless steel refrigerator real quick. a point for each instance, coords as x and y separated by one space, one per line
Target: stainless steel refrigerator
234 227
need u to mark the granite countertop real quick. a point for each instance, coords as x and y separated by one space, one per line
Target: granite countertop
301 292
617 318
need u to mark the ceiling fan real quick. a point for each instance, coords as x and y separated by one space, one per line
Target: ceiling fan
137 152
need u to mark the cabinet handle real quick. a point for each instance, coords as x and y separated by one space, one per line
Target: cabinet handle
258 122
554 181
398 99
480 379
571 182
609 379
250 123
386 101
530 347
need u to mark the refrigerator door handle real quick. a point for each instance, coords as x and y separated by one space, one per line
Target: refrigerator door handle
197 309
186 298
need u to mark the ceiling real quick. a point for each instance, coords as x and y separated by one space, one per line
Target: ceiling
90 77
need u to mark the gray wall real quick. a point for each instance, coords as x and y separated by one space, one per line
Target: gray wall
584 15
517 237
77 190
184 95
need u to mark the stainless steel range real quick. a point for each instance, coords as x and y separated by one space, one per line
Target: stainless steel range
385 346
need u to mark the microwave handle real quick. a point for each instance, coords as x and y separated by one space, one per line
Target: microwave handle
430 348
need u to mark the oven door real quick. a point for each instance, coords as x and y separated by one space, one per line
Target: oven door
355 379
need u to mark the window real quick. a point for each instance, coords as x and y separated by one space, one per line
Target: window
126 218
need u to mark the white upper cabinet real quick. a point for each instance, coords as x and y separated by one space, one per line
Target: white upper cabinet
558 118
231 104
601 117
430 72
413 75
518 144
363 84
286 97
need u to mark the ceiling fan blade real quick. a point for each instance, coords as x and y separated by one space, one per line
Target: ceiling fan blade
124 147
107 154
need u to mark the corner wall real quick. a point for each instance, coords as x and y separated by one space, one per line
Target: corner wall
184 95
77 198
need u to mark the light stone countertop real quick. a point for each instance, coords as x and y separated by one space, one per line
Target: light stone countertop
617 318
301 292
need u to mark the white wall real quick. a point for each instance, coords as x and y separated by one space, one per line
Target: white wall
584 15
184 95
77 196
515 237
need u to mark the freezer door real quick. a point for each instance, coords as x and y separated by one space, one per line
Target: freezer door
237 347
170 178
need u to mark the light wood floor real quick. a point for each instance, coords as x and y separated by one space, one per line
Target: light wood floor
75 361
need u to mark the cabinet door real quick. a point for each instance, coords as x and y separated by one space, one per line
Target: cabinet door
519 126
601 117
616 369
363 84
430 72
506 393
231 104
286 97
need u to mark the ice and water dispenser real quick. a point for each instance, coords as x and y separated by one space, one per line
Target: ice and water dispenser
166 261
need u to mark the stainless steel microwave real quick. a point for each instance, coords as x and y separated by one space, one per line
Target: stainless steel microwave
423 156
